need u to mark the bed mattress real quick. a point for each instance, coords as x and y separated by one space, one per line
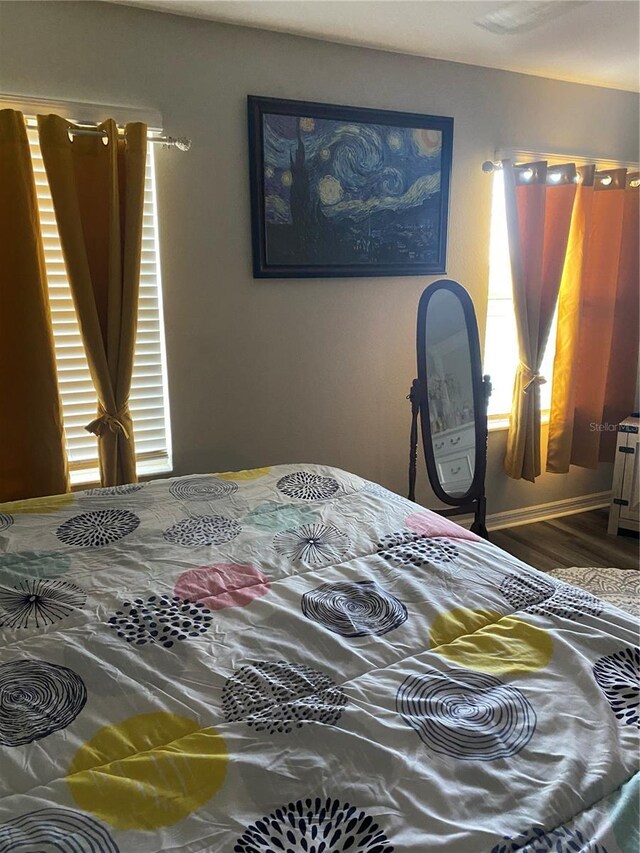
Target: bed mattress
295 660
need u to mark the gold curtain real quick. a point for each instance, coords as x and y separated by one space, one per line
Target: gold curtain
539 201
98 194
33 459
596 358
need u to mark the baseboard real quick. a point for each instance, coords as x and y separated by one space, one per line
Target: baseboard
541 512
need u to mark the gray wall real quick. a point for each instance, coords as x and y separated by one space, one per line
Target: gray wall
313 370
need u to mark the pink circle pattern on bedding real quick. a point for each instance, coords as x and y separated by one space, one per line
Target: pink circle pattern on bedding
222 585
435 525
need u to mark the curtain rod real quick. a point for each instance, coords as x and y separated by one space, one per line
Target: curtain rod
496 166
86 116
182 143
532 156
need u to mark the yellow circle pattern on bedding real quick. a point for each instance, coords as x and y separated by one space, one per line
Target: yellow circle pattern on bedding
488 641
38 505
148 771
248 474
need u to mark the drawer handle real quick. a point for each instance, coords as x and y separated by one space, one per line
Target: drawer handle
457 471
439 446
454 440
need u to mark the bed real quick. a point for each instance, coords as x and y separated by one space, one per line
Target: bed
293 659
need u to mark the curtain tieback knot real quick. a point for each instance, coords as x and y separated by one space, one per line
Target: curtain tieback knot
531 377
106 420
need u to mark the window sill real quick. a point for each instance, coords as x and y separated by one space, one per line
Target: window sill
500 422
85 478
496 423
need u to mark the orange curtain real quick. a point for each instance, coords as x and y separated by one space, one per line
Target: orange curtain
33 458
539 202
595 366
98 195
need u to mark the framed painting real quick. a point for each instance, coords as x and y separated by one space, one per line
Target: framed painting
346 191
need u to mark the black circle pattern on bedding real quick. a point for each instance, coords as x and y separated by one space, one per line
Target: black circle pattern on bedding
354 608
540 840
547 597
308 487
160 620
381 492
114 491
465 714
203 530
618 676
280 696
323 825
317 544
411 549
97 529
58 830
36 699
35 603
202 488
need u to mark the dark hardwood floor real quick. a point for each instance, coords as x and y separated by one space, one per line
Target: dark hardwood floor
574 540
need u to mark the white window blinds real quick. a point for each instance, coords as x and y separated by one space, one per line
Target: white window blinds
148 401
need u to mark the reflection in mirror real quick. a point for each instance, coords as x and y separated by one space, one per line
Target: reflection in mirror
448 371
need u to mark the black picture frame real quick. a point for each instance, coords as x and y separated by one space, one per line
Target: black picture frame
435 212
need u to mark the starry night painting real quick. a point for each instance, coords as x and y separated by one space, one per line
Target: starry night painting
345 191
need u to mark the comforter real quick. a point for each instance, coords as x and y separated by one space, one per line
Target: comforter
294 659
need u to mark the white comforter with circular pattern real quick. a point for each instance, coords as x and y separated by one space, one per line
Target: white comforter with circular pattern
294 660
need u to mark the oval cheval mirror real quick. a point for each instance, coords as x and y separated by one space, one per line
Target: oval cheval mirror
449 399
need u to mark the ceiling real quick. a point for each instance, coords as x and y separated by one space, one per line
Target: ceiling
596 42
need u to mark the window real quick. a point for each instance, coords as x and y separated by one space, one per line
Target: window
501 341
148 401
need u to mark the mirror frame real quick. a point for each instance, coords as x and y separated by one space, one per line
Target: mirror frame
475 491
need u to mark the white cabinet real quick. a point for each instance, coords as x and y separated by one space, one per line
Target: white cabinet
455 456
625 500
